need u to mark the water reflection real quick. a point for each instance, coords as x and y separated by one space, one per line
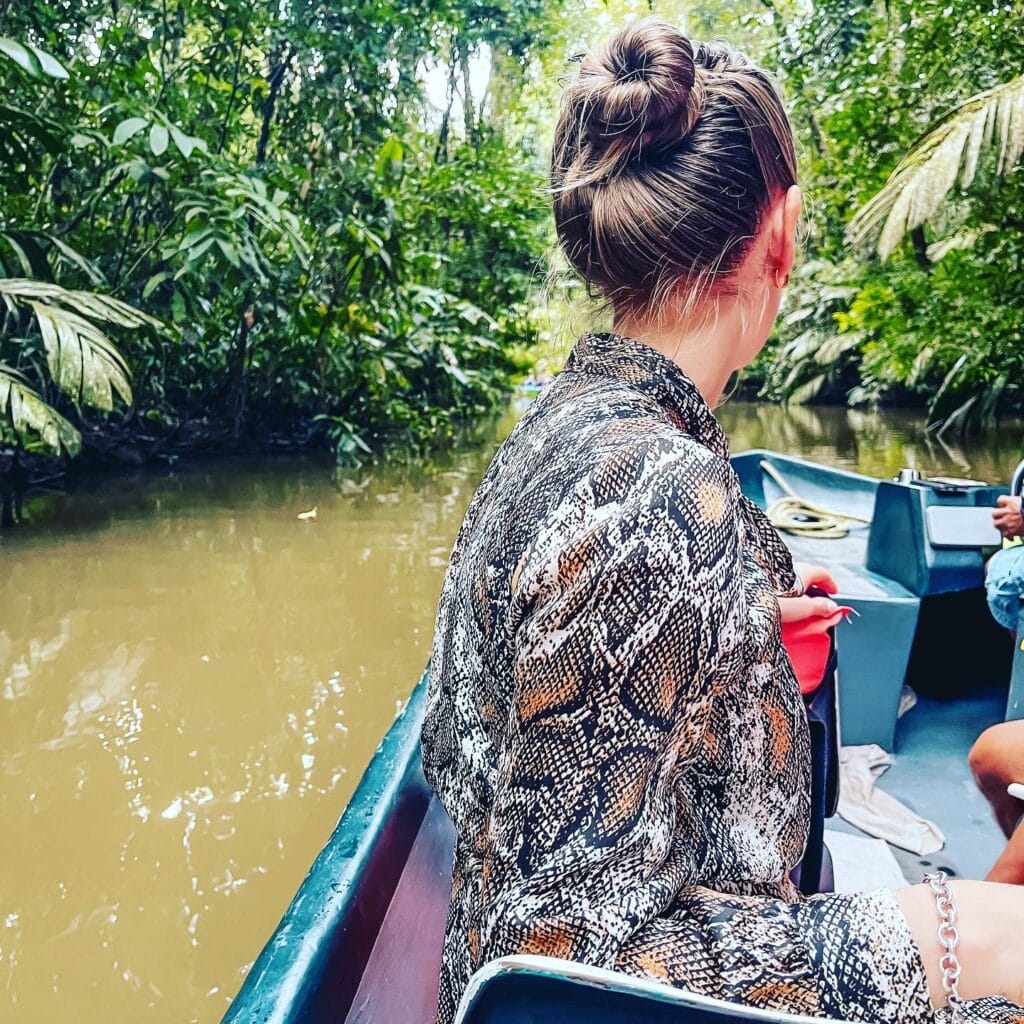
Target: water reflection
875 443
192 679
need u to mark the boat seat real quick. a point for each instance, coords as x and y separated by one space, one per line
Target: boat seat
814 872
531 989
1015 698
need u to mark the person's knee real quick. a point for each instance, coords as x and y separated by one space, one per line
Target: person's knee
1004 586
993 755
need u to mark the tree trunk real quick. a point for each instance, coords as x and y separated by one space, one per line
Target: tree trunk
237 385
279 64
236 373
917 236
468 112
441 150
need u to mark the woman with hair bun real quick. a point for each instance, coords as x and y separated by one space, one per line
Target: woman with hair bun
612 722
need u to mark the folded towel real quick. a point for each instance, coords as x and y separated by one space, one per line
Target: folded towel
867 807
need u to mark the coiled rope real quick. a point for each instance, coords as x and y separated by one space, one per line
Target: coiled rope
797 515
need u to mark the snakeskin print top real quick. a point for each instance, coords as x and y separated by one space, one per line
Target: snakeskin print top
613 725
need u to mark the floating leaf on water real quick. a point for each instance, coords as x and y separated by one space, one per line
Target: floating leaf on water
172 810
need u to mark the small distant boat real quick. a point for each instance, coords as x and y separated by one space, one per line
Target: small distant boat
361 941
534 385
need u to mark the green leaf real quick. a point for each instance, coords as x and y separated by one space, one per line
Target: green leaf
128 128
49 64
75 257
200 250
29 252
187 144
84 362
389 159
158 139
154 282
21 56
230 252
26 414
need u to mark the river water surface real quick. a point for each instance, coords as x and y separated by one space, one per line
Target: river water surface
192 680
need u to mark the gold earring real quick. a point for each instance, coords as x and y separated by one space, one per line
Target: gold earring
785 280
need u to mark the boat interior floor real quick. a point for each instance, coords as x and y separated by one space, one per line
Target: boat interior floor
931 776
845 561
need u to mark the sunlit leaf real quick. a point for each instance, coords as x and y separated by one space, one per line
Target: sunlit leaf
158 139
21 55
187 144
24 413
84 362
128 128
807 391
49 64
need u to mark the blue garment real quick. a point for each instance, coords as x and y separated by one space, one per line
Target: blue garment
1004 585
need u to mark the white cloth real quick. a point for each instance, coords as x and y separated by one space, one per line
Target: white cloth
867 807
860 864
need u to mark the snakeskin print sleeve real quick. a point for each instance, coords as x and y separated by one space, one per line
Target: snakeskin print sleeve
624 631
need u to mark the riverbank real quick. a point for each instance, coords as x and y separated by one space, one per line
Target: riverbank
115 453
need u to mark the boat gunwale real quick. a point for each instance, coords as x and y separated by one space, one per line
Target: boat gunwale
286 979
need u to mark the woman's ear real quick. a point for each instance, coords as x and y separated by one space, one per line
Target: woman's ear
782 245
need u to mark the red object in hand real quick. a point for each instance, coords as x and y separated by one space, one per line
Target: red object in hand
807 644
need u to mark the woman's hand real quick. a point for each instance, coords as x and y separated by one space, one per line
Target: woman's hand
815 576
796 609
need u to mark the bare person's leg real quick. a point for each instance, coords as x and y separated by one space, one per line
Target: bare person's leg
991 925
997 759
1010 866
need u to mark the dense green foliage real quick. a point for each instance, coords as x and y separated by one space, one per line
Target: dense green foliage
225 222
942 319
326 254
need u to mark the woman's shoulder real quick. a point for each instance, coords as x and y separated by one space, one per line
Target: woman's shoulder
656 471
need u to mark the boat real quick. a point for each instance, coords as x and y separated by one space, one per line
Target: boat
361 940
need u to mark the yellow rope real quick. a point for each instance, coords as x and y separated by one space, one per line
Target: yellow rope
797 515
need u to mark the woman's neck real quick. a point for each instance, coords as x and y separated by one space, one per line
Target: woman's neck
706 351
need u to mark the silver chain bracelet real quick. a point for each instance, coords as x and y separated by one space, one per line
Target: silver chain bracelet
949 939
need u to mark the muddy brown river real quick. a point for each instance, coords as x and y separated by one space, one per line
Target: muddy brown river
192 679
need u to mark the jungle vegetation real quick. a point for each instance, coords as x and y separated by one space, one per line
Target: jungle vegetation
322 222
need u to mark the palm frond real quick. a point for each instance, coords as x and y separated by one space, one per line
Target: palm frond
806 391
918 187
24 413
86 365
84 362
90 304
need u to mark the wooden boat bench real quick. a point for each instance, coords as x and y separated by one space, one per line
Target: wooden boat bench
539 990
